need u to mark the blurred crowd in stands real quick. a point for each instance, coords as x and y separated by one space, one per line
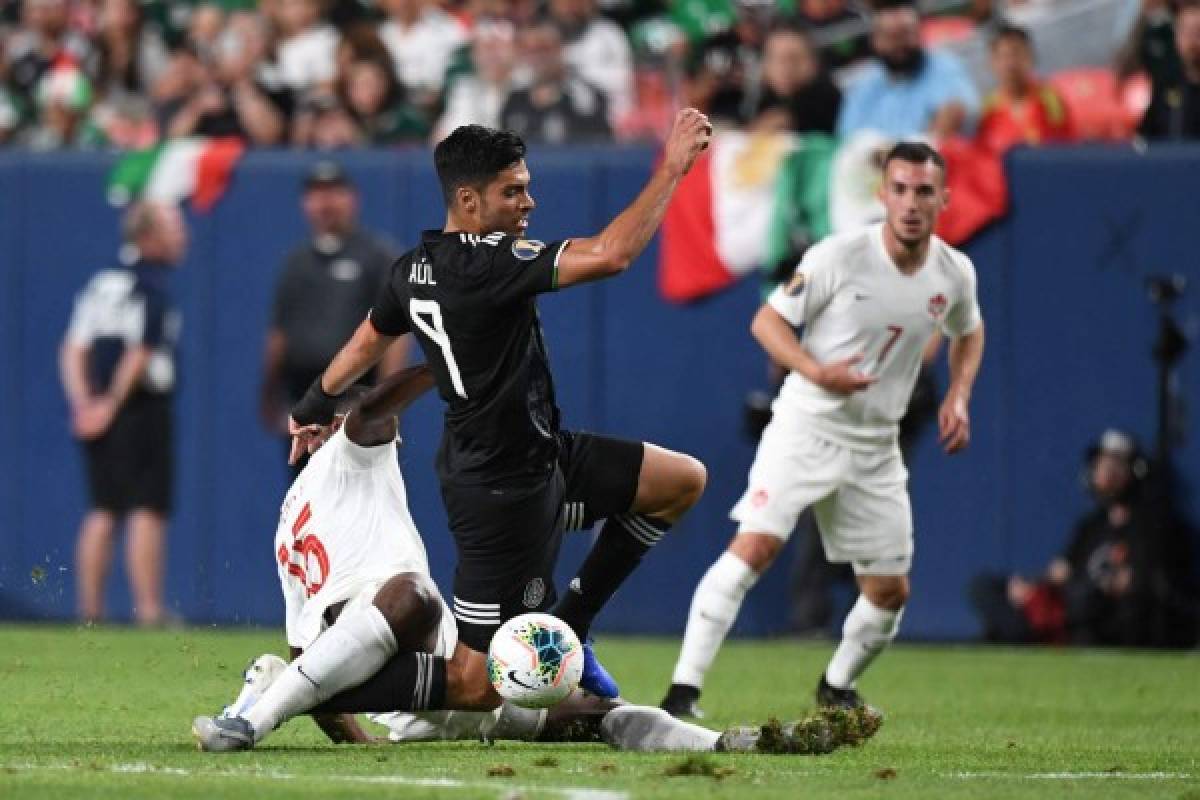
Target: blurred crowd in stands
330 74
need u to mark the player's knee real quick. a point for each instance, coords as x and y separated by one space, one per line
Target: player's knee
409 603
694 477
688 479
890 594
758 550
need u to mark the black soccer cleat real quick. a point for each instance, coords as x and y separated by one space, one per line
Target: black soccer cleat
682 701
832 697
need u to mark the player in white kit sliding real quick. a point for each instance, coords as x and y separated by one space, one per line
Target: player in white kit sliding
361 608
868 301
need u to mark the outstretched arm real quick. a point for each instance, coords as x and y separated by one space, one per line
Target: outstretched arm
626 236
392 395
311 416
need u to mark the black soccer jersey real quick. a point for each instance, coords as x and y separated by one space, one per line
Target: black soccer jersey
470 301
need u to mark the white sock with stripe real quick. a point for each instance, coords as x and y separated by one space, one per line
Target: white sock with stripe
715 606
348 653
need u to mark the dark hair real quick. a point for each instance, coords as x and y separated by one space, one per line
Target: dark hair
473 155
1008 31
895 5
790 24
914 153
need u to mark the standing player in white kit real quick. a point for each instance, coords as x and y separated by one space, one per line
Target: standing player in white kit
868 301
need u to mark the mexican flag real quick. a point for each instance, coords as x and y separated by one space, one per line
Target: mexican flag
715 229
757 201
195 168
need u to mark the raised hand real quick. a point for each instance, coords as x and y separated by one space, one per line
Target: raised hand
689 137
305 439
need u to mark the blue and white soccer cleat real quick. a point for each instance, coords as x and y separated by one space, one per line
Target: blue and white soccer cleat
595 679
257 677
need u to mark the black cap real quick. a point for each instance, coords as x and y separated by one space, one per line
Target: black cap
326 173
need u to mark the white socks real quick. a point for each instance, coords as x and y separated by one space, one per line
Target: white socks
350 651
715 606
866 632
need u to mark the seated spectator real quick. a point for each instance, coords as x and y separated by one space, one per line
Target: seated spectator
131 54
1151 45
477 97
421 39
306 46
204 26
132 59
1174 112
374 99
64 106
557 107
597 50
323 123
1111 584
908 90
45 39
722 69
187 60
227 98
1022 109
796 93
361 41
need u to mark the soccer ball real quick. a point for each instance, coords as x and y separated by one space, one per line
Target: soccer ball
535 660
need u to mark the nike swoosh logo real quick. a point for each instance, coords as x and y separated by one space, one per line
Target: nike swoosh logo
512 676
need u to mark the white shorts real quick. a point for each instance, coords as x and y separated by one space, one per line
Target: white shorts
860 499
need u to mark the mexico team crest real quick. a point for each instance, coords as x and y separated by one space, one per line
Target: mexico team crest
535 592
527 249
796 285
937 305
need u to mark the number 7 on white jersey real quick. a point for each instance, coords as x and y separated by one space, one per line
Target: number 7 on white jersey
437 332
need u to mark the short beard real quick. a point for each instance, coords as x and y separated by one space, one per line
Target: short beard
907 64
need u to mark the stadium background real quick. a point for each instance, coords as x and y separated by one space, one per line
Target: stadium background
1062 284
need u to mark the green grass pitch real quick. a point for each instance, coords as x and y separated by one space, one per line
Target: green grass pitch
106 713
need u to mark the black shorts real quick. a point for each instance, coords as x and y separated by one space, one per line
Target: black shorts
129 467
508 538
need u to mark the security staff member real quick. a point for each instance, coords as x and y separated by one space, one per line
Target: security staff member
117 367
325 289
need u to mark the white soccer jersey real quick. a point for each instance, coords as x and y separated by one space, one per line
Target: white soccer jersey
344 526
851 299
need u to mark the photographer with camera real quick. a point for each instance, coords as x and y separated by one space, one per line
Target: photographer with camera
1115 581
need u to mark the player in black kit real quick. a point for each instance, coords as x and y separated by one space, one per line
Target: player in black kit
512 480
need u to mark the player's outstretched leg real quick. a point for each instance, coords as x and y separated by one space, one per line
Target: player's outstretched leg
668 485
715 606
362 640
869 628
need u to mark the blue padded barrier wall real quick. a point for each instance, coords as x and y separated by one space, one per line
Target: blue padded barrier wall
1060 280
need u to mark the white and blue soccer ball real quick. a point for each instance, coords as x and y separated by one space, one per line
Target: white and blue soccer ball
535 660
